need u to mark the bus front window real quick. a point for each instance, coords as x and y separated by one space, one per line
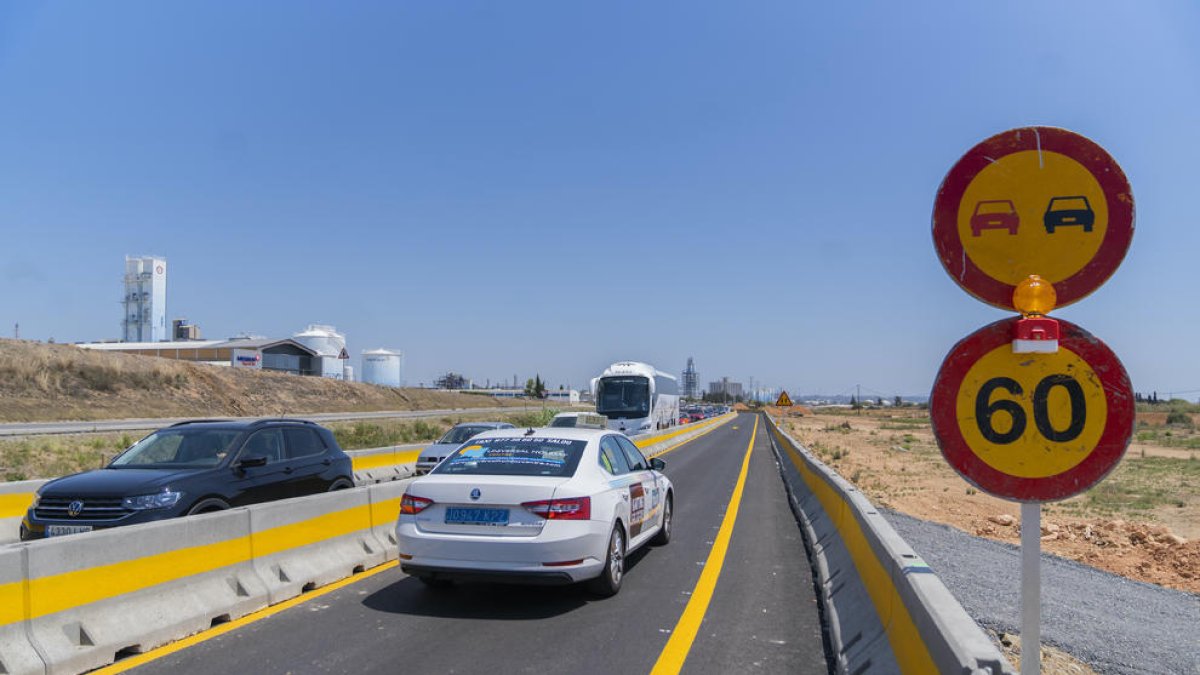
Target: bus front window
623 397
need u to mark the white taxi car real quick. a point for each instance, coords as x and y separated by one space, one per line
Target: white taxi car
550 505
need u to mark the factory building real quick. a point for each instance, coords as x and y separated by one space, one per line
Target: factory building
285 356
382 367
145 300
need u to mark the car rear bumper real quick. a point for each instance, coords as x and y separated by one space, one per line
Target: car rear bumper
514 558
549 577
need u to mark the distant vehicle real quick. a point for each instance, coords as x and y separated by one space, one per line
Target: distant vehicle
449 442
189 468
994 214
636 397
546 506
581 420
1069 211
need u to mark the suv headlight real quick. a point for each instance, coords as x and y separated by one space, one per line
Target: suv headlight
158 500
37 499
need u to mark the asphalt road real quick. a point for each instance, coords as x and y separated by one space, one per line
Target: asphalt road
96 426
763 615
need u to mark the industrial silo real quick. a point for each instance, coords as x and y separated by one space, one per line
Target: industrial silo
329 346
381 366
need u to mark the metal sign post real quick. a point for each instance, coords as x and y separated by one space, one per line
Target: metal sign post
1032 409
1031 588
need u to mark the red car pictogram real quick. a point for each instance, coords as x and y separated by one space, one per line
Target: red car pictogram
994 214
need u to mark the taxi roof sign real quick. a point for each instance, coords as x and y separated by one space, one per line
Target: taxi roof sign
784 400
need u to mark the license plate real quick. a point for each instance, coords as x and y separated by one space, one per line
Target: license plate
60 530
461 516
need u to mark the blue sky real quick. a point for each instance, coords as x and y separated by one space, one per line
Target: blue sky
504 188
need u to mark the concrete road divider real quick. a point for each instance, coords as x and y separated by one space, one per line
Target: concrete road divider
379 465
884 608
300 544
385 509
660 442
98 596
16 653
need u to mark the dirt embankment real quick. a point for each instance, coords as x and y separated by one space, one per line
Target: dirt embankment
1142 521
42 383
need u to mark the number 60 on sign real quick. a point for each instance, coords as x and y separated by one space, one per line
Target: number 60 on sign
1028 427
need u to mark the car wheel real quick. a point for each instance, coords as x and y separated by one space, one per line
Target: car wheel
609 582
207 506
341 484
663 537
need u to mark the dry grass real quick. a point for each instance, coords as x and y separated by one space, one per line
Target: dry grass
40 382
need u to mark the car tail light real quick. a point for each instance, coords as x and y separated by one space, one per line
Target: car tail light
411 506
578 508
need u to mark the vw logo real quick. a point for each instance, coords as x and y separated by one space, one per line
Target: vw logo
476 494
74 508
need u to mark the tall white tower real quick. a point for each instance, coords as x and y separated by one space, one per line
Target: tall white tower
145 300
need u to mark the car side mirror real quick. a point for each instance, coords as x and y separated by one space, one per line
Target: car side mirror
252 461
657 464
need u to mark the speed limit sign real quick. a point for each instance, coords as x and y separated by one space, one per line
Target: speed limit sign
1032 428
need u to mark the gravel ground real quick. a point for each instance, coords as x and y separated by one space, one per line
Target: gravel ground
1113 624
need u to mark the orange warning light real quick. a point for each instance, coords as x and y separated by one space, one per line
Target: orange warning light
1034 296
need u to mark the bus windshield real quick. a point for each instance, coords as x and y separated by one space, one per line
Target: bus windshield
623 397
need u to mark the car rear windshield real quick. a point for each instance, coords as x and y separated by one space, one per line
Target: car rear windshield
515 457
179 447
461 435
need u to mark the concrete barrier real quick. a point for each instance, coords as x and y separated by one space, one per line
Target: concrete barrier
385 509
17 654
885 610
379 465
96 597
661 442
303 543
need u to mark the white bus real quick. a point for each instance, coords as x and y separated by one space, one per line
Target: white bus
636 397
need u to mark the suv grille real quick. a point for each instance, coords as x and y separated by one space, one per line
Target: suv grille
94 508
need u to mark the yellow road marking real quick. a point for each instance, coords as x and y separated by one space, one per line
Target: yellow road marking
676 651
166 650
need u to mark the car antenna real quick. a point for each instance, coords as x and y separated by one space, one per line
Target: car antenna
531 431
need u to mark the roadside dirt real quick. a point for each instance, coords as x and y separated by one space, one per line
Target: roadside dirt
43 383
1142 522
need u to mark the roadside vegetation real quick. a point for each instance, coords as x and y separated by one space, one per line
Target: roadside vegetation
50 456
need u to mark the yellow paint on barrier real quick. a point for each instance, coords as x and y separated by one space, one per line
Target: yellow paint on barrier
643 442
12 602
64 591
389 458
909 649
15 504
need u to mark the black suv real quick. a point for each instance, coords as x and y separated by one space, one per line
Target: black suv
193 467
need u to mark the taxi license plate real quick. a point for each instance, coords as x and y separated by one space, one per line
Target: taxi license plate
464 516
60 530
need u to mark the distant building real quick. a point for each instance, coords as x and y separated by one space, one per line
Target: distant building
287 356
182 330
690 382
330 347
571 396
145 300
724 387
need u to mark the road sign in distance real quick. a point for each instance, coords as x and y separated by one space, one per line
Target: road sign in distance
784 400
1036 200
1032 427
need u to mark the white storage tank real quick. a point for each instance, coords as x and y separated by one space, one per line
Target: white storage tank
381 366
329 346
348 373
